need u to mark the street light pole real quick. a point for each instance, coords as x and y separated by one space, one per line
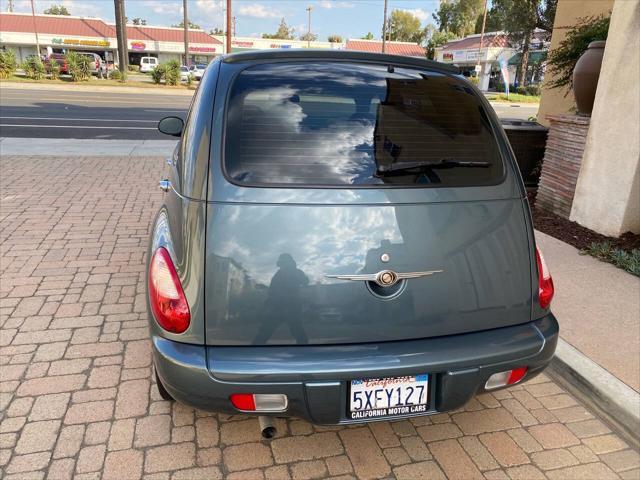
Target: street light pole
35 28
229 26
384 28
309 8
185 22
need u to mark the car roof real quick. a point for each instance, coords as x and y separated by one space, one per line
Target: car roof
339 55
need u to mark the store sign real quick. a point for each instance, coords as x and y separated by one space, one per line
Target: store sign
277 45
138 46
202 49
473 55
459 55
242 44
76 41
447 57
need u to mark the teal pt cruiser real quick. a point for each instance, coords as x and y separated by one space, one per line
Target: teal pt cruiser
345 237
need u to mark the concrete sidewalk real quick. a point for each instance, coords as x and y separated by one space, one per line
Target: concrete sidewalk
598 307
63 147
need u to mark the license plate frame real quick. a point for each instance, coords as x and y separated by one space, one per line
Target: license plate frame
382 409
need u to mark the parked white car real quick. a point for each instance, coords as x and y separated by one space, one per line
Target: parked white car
184 73
147 64
197 71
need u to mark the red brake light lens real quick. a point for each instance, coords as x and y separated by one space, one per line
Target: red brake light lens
545 282
516 375
243 401
168 303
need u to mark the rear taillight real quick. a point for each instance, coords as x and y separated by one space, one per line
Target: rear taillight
168 303
502 379
259 402
545 282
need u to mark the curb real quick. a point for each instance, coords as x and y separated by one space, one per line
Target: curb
96 88
598 389
35 147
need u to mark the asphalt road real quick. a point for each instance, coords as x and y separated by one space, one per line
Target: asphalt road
81 114
112 115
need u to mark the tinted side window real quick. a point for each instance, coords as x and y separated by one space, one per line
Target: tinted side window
342 124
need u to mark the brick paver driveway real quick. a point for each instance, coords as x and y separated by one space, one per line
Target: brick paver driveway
79 400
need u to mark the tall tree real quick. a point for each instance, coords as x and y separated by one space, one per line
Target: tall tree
494 22
57 10
368 36
435 38
139 21
284 32
404 26
216 31
334 39
458 16
520 18
309 37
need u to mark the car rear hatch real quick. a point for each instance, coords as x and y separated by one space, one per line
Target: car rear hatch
334 183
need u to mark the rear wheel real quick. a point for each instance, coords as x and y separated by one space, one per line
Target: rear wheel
163 391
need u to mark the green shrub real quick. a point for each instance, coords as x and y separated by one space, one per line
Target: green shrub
521 90
475 80
54 69
168 71
172 72
133 68
533 90
629 261
8 63
34 68
79 67
157 74
115 75
189 80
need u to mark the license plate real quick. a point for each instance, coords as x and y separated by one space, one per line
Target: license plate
382 397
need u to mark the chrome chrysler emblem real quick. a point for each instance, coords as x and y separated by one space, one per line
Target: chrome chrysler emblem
384 278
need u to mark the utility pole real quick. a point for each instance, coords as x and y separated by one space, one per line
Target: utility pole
185 22
384 28
484 22
229 26
35 28
121 33
309 8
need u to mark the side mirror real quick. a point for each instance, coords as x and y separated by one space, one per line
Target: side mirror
171 126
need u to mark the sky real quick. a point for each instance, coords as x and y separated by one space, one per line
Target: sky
348 18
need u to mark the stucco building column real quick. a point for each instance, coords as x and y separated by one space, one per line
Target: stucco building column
607 196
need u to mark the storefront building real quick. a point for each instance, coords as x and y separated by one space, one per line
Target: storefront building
245 44
62 33
484 61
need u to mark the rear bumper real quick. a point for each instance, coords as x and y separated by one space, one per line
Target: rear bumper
315 378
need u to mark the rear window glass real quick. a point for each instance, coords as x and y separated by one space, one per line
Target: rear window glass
342 124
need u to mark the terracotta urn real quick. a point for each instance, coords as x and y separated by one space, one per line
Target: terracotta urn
585 76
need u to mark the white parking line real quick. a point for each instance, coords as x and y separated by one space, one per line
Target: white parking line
80 119
77 126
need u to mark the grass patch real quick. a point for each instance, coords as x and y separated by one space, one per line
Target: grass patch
605 251
514 98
